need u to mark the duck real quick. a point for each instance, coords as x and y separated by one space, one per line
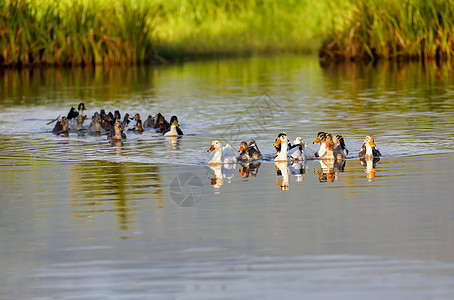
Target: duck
117 134
174 129
300 153
340 150
149 122
282 144
249 151
321 138
95 125
329 147
161 123
368 149
126 121
61 126
222 155
76 117
138 126
117 115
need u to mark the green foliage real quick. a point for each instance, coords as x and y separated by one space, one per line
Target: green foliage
75 32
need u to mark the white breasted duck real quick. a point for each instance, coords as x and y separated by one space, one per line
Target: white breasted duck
117 134
321 138
329 147
222 155
368 148
282 145
174 129
299 153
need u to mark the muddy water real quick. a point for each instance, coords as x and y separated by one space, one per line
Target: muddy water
83 218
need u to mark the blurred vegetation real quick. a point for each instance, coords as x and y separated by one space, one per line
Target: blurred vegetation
84 32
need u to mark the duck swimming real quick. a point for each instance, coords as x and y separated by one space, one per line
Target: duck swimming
340 149
368 148
321 138
61 126
299 153
76 118
95 125
249 151
138 126
282 144
329 147
174 128
117 134
149 122
222 155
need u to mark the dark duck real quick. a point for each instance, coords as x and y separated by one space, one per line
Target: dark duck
174 128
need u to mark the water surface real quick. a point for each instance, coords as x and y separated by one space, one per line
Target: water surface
82 218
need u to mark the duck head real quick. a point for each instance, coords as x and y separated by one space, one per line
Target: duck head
81 107
321 136
215 145
64 123
117 115
243 146
174 121
281 139
369 140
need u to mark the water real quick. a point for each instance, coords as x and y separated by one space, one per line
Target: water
82 218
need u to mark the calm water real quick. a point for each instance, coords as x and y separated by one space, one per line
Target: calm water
82 218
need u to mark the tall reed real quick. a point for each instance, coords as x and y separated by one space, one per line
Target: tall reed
75 32
410 29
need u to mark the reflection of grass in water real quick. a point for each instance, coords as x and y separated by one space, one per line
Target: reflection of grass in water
103 187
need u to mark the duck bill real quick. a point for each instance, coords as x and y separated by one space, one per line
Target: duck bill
317 140
277 143
211 149
328 144
241 148
371 143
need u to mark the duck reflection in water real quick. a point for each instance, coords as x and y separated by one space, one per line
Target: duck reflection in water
118 145
282 170
249 169
298 168
369 163
330 169
174 142
222 172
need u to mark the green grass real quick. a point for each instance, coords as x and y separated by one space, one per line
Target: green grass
75 32
86 32
409 29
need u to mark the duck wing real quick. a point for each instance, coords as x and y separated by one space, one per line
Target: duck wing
228 155
58 127
72 114
362 152
179 131
375 152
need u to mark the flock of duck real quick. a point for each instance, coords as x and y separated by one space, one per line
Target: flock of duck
113 125
331 147
331 154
